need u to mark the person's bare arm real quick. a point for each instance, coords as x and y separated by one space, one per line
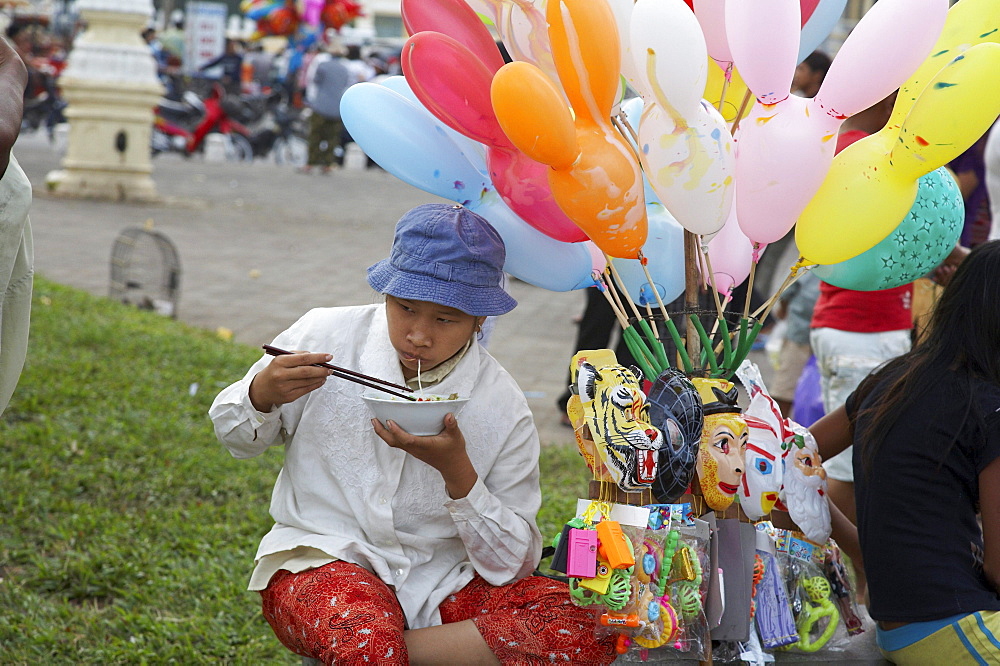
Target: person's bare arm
989 501
832 433
13 79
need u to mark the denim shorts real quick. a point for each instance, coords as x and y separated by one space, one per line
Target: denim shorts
845 358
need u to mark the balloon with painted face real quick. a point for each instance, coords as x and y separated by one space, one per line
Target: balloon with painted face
723 443
616 412
675 408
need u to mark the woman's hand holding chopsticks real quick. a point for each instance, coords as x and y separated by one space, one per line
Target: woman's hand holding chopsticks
288 377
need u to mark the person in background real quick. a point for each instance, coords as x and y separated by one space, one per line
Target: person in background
854 332
795 308
925 433
231 62
810 73
16 255
327 79
970 173
172 39
991 158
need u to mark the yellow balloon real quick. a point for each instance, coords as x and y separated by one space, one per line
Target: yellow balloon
735 93
872 184
969 22
542 128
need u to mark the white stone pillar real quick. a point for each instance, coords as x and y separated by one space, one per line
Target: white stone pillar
111 87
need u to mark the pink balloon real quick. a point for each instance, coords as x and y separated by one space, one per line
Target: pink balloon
457 20
711 16
785 146
454 85
731 253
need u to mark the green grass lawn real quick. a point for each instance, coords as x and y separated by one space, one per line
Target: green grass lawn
126 531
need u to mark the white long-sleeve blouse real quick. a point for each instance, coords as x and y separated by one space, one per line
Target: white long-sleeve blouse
344 492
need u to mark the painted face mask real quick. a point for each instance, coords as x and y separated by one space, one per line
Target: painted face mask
805 485
723 443
615 410
762 480
675 408
577 417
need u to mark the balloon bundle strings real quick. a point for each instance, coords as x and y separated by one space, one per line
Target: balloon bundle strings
646 348
684 359
629 135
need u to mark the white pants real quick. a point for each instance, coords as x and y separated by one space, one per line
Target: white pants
845 358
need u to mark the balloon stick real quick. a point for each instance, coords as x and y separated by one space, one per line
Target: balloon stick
603 287
725 86
630 137
614 294
692 282
621 285
685 360
797 270
753 270
739 113
711 277
649 315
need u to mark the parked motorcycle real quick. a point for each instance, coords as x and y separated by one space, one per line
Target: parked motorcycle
183 127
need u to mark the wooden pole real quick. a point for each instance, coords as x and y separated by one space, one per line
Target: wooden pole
692 286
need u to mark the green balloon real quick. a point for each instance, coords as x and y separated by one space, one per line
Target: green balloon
917 246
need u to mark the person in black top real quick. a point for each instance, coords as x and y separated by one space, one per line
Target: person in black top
926 434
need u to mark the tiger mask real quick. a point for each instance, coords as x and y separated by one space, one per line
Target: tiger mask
617 415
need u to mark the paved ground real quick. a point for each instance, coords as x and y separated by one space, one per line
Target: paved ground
260 244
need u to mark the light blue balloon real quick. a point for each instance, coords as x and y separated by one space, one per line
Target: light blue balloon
408 142
918 245
474 151
664 254
820 25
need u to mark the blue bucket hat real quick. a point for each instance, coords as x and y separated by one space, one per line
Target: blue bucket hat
448 255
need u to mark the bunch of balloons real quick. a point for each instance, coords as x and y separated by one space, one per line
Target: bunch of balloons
285 18
575 172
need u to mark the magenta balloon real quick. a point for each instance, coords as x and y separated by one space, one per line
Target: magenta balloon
457 20
448 80
523 184
808 7
453 85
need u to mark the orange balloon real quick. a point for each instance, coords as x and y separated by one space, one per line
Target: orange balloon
595 178
554 142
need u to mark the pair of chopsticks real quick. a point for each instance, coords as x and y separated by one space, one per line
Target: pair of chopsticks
352 376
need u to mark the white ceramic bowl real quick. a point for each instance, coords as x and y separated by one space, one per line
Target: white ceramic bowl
423 417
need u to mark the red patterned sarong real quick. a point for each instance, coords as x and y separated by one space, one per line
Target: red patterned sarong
341 613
